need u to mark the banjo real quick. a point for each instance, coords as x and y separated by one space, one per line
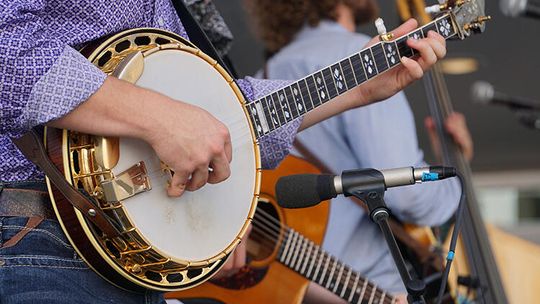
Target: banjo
163 243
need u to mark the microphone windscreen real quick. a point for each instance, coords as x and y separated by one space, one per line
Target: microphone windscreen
304 190
482 92
512 8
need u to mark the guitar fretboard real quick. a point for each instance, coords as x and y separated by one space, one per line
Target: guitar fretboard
308 259
281 107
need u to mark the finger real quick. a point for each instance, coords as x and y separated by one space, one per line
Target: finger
220 169
228 149
240 255
178 183
413 67
438 46
427 54
198 178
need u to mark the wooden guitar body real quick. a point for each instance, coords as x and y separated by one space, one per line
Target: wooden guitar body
266 280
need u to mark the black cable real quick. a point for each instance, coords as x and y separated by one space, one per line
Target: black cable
453 241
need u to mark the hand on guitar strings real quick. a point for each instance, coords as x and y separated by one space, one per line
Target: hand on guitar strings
456 126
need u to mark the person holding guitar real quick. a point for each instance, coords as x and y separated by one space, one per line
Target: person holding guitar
377 136
45 81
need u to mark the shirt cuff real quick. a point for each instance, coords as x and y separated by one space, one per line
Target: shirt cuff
276 145
71 80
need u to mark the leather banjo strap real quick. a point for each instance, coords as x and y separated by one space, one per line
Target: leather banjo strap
424 254
33 149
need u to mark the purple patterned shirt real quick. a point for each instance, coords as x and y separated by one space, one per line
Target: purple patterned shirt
43 78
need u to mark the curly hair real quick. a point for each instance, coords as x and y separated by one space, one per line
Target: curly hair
278 21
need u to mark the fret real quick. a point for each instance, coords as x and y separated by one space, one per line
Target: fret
325 269
363 291
256 119
444 27
392 54
293 248
302 255
379 58
353 289
403 49
381 301
313 259
360 74
346 284
274 117
313 91
368 63
308 257
267 115
338 280
373 291
339 78
279 110
320 258
321 87
429 27
296 250
330 83
286 249
290 102
282 99
348 74
305 94
330 283
298 99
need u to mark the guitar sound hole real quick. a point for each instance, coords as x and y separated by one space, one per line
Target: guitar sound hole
112 249
265 233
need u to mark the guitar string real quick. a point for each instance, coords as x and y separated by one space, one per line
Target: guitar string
272 225
323 256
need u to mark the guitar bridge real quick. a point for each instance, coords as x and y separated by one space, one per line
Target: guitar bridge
127 184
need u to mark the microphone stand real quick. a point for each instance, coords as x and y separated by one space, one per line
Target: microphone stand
372 193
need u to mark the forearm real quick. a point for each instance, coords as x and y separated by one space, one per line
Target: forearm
336 106
117 108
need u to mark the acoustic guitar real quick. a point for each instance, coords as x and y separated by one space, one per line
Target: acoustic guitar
285 253
133 234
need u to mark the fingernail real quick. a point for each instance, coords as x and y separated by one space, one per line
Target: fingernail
404 59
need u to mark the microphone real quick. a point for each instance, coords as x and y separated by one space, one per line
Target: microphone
483 92
516 8
306 190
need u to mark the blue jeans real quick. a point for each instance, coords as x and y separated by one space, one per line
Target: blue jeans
43 268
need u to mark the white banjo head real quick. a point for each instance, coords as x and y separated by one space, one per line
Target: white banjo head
199 225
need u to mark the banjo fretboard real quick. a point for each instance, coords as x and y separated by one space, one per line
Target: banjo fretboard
291 102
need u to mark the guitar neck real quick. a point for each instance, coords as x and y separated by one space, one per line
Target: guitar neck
309 260
291 102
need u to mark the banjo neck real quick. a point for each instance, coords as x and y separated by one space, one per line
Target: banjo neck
274 110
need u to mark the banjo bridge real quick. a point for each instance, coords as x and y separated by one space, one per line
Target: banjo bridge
127 184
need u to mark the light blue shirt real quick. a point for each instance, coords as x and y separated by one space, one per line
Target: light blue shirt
380 136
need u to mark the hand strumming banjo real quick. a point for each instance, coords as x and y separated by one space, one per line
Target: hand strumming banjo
175 243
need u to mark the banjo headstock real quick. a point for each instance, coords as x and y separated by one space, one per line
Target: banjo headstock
468 15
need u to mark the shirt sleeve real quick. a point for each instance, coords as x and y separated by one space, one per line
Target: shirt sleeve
42 79
276 145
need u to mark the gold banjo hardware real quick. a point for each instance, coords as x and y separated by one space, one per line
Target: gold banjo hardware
88 161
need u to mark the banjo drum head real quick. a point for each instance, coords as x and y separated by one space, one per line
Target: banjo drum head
199 225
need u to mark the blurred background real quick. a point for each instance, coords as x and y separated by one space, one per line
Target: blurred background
506 166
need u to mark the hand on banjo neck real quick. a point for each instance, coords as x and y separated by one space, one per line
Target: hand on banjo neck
189 140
